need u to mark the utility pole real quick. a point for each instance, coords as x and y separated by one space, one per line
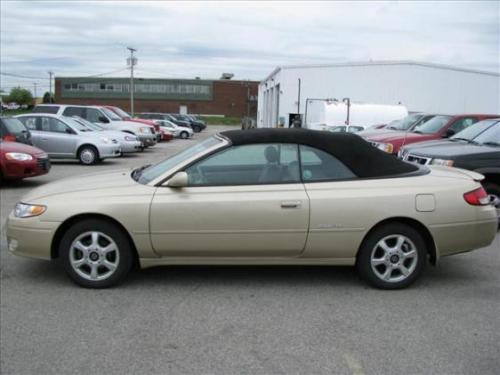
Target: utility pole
34 89
132 61
50 86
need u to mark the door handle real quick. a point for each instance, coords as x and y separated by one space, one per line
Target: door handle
291 204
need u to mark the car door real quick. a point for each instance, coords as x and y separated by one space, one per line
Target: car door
58 139
243 201
339 203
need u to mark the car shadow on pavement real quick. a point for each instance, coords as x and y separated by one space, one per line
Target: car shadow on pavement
23 184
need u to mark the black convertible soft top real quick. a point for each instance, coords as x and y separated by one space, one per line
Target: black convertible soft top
361 157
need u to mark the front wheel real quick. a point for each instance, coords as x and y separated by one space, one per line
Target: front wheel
88 155
96 253
392 257
184 135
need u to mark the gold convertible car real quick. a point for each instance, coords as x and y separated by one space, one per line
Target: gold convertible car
258 197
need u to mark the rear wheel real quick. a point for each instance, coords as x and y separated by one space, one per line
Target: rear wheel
96 253
392 257
88 155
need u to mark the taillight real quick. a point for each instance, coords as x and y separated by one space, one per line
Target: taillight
477 197
9 138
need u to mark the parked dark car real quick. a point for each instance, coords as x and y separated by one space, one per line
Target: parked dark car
13 130
476 148
196 125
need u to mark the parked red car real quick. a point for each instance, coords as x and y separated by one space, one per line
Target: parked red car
440 126
18 161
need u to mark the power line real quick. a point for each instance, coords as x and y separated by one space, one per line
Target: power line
19 76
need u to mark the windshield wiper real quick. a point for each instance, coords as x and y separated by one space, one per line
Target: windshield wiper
417 131
462 139
136 173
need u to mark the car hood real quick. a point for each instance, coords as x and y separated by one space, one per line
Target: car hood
398 136
86 183
21 147
453 150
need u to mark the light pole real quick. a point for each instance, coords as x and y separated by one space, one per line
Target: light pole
132 61
50 86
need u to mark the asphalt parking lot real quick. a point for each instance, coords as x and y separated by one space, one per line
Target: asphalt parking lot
228 320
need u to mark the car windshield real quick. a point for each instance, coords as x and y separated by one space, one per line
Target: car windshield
77 125
88 124
490 136
150 173
14 125
120 112
432 126
113 116
471 132
404 123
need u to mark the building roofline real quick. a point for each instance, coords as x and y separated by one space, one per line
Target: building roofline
157 79
382 62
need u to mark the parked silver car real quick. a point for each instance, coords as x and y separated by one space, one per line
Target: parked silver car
64 138
128 142
103 117
177 131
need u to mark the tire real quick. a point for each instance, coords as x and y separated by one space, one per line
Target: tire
88 155
85 260
383 269
493 191
196 129
184 135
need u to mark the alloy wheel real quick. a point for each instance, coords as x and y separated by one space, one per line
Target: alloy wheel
394 258
94 256
87 156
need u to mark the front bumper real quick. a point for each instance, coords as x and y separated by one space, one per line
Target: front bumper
15 169
30 237
109 151
128 147
147 139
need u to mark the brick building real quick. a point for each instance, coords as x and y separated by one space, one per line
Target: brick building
208 97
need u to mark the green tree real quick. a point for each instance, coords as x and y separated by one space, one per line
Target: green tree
46 98
21 96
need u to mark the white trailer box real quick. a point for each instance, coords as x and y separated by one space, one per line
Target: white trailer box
325 113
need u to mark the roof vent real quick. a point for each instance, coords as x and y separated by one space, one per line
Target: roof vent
227 76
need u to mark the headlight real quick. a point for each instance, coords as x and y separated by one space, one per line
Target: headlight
19 156
130 138
387 147
28 210
105 140
448 163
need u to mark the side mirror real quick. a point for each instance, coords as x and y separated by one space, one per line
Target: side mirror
178 180
449 133
69 131
103 119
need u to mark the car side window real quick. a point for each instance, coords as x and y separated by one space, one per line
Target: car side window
74 111
318 165
53 125
29 122
92 115
463 123
257 164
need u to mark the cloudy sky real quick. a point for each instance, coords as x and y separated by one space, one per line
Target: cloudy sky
249 39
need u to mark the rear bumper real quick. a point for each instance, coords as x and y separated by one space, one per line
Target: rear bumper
462 237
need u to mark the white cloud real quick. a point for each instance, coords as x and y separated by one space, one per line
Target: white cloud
187 39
